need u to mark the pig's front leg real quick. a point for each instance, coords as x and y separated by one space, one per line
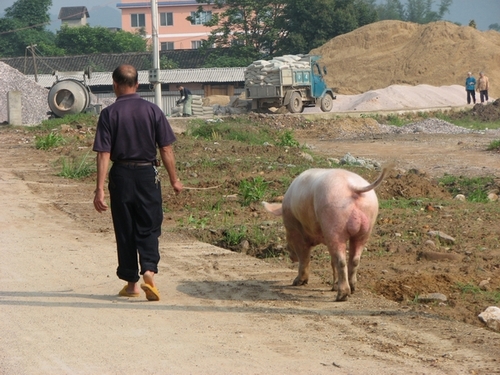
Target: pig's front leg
300 251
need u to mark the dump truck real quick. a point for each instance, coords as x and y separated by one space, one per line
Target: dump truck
291 81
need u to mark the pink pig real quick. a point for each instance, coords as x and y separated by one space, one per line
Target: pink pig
329 206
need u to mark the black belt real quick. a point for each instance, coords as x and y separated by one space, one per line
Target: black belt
134 163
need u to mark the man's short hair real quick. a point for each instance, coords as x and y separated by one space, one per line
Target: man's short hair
126 75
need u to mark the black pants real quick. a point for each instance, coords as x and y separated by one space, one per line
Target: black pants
484 95
471 93
136 208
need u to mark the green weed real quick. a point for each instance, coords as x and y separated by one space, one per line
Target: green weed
288 140
494 145
253 190
395 120
233 236
197 222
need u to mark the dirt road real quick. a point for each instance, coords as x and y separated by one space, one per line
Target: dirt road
221 312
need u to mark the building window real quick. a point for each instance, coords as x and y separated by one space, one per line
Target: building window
138 20
166 19
195 44
167 46
200 18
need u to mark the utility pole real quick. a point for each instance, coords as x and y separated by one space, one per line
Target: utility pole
31 47
154 74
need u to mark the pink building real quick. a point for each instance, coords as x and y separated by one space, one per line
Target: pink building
174 31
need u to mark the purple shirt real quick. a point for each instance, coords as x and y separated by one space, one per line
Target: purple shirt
131 128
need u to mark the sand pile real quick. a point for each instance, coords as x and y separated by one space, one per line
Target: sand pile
393 52
402 97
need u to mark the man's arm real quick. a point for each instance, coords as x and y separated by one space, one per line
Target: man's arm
102 171
168 159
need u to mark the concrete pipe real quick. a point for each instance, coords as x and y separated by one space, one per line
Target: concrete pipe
68 97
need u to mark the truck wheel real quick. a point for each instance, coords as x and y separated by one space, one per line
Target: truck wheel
327 103
295 105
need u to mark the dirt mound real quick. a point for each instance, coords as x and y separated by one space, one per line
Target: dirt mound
411 185
489 112
393 52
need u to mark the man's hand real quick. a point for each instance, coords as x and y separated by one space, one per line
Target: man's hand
99 203
177 185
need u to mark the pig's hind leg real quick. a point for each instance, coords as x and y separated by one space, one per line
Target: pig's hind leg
337 250
356 246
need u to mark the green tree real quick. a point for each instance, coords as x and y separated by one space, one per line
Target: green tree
32 13
472 24
88 40
23 25
311 24
418 11
166 63
248 27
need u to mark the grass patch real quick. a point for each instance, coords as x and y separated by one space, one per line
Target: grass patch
241 131
75 169
475 189
48 141
76 120
466 119
492 296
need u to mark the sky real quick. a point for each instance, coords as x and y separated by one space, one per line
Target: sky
105 13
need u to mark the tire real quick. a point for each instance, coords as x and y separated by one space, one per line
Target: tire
295 105
327 103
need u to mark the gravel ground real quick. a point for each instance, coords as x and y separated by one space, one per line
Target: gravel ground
430 126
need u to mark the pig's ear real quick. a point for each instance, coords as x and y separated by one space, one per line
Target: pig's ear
274 208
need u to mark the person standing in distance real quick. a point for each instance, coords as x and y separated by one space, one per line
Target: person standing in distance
186 100
470 87
483 85
128 133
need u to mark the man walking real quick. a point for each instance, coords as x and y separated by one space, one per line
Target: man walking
128 133
470 87
483 85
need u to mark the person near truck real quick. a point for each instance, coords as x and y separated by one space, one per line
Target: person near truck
186 101
483 85
470 87
128 133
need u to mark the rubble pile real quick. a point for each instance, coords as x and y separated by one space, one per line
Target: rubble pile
33 100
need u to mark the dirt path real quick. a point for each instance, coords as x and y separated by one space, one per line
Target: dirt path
221 312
